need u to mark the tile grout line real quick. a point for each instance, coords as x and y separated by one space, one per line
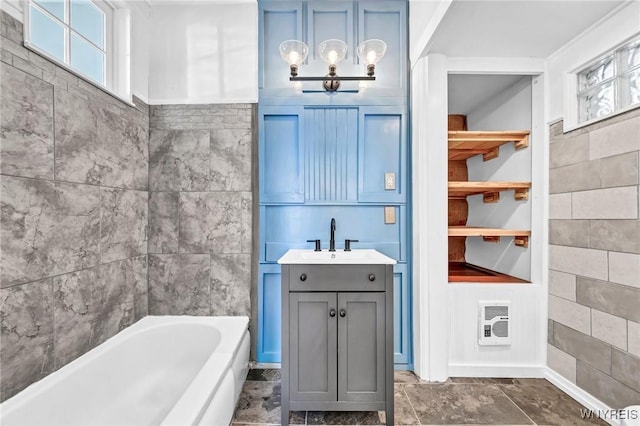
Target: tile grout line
410 404
514 403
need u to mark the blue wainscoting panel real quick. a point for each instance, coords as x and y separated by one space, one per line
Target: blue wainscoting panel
331 144
269 317
280 21
290 226
281 155
382 149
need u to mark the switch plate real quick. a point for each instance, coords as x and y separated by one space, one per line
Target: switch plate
389 180
389 215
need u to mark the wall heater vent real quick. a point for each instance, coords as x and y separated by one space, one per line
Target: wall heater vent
494 325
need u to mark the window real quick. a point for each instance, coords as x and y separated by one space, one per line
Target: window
611 84
75 33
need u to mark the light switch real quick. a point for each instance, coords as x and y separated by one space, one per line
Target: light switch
389 215
389 180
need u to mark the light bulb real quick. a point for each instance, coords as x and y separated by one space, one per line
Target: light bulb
332 51
372 57
333 57
294 58
371 52
293 52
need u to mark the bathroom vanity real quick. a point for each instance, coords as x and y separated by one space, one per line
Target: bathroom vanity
337 331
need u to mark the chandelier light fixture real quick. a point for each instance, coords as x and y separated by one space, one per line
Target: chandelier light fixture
332 51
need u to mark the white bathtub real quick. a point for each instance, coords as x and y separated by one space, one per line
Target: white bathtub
160 371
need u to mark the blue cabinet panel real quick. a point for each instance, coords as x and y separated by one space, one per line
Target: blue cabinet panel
281 169
330 139
269 317
279 21
382 149
402 315
386 20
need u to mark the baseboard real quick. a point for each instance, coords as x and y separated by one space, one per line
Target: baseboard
475 370
579 394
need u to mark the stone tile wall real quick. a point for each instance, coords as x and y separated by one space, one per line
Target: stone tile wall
74 216
594 258
200 209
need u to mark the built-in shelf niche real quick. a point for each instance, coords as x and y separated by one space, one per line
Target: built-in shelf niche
464 144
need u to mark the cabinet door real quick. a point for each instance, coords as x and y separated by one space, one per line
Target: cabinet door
361 346
312 347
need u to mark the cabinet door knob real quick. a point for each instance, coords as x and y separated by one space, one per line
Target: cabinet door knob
332 313
372 277
343 313
303 277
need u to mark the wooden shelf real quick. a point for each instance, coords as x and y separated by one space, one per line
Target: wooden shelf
521 237
466 144
466 272
489 190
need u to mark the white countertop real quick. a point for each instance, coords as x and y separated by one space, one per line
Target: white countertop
338 257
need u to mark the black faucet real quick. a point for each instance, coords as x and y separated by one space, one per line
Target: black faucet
332 241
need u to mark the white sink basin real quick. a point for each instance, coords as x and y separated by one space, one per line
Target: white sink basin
325 257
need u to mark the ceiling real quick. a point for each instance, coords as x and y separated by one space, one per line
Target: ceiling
514 28
468 92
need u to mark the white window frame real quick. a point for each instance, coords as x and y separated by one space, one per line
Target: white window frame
572 92
116 39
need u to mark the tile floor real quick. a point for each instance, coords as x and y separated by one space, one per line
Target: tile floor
458 401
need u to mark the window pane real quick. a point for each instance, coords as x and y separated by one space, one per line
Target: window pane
88 20
630 88
596 74
631 55
47 34
87 58
596 103
54 7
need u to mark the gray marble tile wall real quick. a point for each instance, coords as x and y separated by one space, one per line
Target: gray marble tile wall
594 257
200 209
74 216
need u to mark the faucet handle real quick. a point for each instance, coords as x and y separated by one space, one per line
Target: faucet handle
317 244
347 244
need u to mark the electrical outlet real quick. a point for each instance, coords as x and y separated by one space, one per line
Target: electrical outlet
389 215
389 180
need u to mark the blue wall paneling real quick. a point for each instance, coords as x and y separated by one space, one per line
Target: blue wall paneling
281 155
324 155
282 20
331 151
382 148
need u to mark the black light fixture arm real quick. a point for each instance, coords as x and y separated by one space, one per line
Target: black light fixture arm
335 78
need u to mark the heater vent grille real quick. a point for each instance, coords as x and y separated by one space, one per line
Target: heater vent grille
494 323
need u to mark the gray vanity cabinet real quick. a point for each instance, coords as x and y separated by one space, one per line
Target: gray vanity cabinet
337 338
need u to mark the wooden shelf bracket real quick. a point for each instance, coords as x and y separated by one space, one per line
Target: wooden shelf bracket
521 241
491 154
491 239
521 194
491 197
522 143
